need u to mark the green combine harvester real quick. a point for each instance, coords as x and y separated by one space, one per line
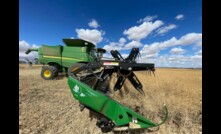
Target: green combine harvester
89 77
56 59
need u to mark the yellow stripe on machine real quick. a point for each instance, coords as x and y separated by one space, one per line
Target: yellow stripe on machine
63 58
54 57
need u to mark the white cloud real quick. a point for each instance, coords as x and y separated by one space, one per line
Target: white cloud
165 29
179 17
150 53
113 46
142 31
177 50
199 43
94 35
181 61
155 47
124 55
196 57
190 38
147 19
199 52
121 45
105 39
122 41
109 56
23 47
93 24
133 44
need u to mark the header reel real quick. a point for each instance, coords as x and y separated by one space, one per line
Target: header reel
94 95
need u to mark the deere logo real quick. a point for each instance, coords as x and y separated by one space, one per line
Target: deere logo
77 90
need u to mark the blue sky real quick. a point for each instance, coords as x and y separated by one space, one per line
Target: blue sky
168 33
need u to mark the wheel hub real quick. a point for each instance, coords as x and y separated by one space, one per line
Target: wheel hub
47 73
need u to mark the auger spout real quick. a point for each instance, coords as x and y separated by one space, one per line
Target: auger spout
31 49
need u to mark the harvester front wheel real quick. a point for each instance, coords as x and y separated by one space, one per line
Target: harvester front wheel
49 72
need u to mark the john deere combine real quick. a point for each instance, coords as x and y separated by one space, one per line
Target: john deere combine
89 77
61 58
92 91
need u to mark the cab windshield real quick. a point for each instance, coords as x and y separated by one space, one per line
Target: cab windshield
92 53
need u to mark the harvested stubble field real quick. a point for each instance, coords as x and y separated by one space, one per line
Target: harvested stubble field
47 107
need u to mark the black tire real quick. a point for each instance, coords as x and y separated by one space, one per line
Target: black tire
74 67
49 72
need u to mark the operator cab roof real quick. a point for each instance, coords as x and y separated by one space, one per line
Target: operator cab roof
77 42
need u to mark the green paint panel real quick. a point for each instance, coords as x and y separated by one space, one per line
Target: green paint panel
40 51
71 55
51 50
74 49
44 60
113 110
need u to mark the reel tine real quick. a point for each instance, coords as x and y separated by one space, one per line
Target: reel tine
153 73
153 70
141 92
138 56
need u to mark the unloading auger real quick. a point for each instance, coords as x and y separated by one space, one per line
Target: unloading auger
91 90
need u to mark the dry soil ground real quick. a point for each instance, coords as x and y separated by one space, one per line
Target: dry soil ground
47 107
